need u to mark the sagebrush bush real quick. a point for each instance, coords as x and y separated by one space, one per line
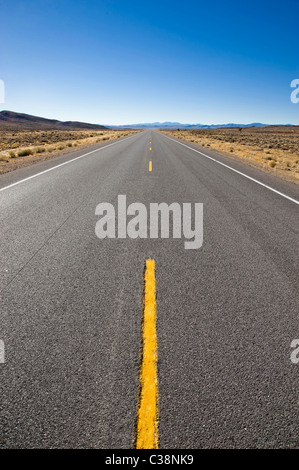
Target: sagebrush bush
25 152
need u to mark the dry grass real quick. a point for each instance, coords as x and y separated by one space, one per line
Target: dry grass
274 149
22 148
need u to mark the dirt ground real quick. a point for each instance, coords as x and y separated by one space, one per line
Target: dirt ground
274 149
23 148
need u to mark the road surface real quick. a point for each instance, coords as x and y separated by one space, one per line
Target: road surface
71 304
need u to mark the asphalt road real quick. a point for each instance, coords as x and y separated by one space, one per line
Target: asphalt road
71 304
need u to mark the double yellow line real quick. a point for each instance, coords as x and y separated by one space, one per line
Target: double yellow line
147 417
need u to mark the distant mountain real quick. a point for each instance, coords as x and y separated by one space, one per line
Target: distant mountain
175 125
19 121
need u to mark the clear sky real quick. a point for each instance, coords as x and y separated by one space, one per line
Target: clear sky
121 62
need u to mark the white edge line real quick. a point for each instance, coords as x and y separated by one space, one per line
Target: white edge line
62 164
236 171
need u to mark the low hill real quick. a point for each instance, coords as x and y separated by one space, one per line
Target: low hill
10 120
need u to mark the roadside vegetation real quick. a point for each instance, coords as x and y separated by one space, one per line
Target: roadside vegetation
274 148
22 148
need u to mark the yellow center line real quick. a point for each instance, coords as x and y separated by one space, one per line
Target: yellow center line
150 166
147 418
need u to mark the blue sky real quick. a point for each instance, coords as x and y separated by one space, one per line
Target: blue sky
121 62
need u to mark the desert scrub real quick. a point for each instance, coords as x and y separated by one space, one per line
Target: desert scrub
40 150
25 152
12 154
272 164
